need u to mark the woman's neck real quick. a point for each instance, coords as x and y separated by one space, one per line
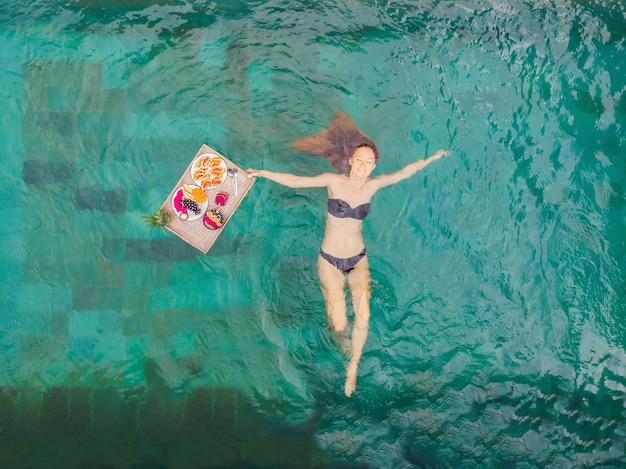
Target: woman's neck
356 181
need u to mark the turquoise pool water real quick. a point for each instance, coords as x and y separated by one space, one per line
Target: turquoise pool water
498 318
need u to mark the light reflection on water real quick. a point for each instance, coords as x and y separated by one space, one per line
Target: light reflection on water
498 283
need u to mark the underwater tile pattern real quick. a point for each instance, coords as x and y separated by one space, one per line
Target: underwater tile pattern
109 428
99 323
105 296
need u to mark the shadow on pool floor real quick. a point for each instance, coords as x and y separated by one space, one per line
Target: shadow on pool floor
206 427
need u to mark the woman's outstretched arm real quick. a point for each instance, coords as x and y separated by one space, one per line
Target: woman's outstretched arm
291 180
409 170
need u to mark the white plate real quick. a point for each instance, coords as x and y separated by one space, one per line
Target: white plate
190 215
201 171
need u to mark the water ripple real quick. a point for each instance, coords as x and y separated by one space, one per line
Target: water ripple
498 282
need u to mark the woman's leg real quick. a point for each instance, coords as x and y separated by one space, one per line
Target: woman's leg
333 283
359 280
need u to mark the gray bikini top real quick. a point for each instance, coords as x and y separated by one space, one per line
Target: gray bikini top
341 209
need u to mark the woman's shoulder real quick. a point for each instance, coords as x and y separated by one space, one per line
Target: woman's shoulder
335 178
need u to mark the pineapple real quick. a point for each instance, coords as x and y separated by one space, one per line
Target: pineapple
159 220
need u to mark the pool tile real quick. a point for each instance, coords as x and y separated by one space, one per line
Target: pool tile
38 346
36 95
40 173
29 401
135 225
12 79
133 377
61 99
111 299
54 408
173 249
85 299
12 248
9 347
138 275
91 78
78 408
43 299
36 122
110 322
10 406
157 323
170 297
109 411
84 275
182 344
113 249
115 74
64 123
111 349
59 323
152 375
82 348
135 299
13 149
138 250
56 370
82 324
159 273
92 198
88 102
110 274
96 225
100 124
160 250
112 175
187 270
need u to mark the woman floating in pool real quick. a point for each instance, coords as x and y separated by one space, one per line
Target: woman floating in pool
343 255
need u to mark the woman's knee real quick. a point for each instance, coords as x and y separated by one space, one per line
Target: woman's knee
362 324
360 292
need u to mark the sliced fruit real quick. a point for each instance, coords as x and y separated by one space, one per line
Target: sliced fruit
178 197
216 161
198 195
217 171
188 191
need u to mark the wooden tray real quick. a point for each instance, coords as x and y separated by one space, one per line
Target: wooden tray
194 231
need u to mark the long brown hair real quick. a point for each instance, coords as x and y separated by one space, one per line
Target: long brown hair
337 142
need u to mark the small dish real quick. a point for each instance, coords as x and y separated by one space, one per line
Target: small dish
213 219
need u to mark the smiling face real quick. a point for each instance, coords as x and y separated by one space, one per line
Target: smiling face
363 162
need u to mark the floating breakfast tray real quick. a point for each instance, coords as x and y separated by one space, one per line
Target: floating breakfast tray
205 198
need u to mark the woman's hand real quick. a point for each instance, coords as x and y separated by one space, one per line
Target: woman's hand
439 153
409 170
253 172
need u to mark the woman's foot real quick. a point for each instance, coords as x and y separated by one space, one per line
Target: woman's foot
350 379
